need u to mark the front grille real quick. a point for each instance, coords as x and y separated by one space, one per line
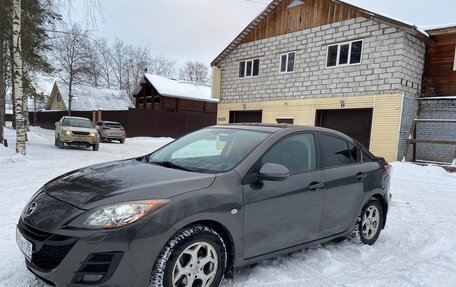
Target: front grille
97 268
81 133
48 249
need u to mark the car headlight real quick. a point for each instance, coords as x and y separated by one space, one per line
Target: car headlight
118 215
67 132
93 134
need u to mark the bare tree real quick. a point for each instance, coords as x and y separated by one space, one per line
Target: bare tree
195 72
2 71
162 66
72 58
101 47
119 59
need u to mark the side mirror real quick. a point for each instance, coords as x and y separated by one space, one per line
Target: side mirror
273 172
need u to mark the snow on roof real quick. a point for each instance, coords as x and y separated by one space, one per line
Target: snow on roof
177 89
86 98
438 27
439 98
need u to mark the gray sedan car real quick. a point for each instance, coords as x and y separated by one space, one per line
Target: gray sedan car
214 200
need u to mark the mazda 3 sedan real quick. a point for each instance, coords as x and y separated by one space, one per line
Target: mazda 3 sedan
214 200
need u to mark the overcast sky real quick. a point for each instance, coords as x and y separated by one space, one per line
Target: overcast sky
201 29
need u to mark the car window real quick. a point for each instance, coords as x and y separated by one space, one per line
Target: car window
354 153
113 125
297 153
335 151
74 122
367 156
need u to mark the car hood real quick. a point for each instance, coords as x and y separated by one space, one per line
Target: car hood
121 181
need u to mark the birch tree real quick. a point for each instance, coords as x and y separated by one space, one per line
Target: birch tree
2 72
21 132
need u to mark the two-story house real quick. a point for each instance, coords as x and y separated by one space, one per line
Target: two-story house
326 63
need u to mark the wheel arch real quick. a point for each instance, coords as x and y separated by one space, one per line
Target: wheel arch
227 238
384 205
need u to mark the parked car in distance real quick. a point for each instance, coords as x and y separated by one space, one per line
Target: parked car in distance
216 199
76 131
110 131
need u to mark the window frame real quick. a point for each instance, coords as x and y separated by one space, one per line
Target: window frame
252 60
286 62
454 61
323 152
349 54
59 97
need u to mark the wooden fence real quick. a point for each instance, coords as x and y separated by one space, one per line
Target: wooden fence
137 122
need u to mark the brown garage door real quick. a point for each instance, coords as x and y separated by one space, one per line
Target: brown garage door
355 123
245 116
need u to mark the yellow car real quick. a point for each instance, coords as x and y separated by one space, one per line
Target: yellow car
75 131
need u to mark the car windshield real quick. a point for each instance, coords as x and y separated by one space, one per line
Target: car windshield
210 150
80 123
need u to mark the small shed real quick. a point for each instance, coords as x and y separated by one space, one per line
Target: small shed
163 94
87 98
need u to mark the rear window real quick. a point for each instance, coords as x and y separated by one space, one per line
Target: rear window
113 125
336 151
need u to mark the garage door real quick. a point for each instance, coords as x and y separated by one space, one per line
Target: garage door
245 116
355 123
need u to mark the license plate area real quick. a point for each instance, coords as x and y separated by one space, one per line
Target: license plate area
24 245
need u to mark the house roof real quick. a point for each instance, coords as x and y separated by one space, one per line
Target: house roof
440 29
407 27
176 89
86 98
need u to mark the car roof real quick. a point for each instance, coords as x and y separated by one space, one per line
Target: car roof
274 128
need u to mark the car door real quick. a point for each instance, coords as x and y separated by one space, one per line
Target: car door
281 214
344 186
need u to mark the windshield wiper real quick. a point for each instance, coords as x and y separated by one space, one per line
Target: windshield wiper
170 164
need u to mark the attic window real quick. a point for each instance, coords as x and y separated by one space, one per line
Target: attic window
454 62
59 97
295 3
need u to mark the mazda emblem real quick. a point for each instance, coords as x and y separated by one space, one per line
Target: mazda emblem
30 209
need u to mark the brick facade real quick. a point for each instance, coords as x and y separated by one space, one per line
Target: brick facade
437 109
392 61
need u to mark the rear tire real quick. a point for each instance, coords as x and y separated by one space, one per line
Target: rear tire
369 223
122 141
96 147
195 256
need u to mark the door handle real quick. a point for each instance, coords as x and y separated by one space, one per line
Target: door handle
361 176
314 186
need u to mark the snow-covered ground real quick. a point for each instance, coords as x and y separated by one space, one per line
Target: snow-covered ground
417 247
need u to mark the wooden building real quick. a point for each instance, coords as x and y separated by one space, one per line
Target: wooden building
162 94
440 68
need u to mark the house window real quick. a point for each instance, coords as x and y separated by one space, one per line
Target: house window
59 97
249 68
287 62
344 54
285 120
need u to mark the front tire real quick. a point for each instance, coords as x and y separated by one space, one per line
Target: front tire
195 256
60 144
96 147
369 223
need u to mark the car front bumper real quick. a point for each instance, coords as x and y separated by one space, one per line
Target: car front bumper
80 140
117 257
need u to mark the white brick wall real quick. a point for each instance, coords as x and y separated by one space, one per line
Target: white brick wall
392 62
